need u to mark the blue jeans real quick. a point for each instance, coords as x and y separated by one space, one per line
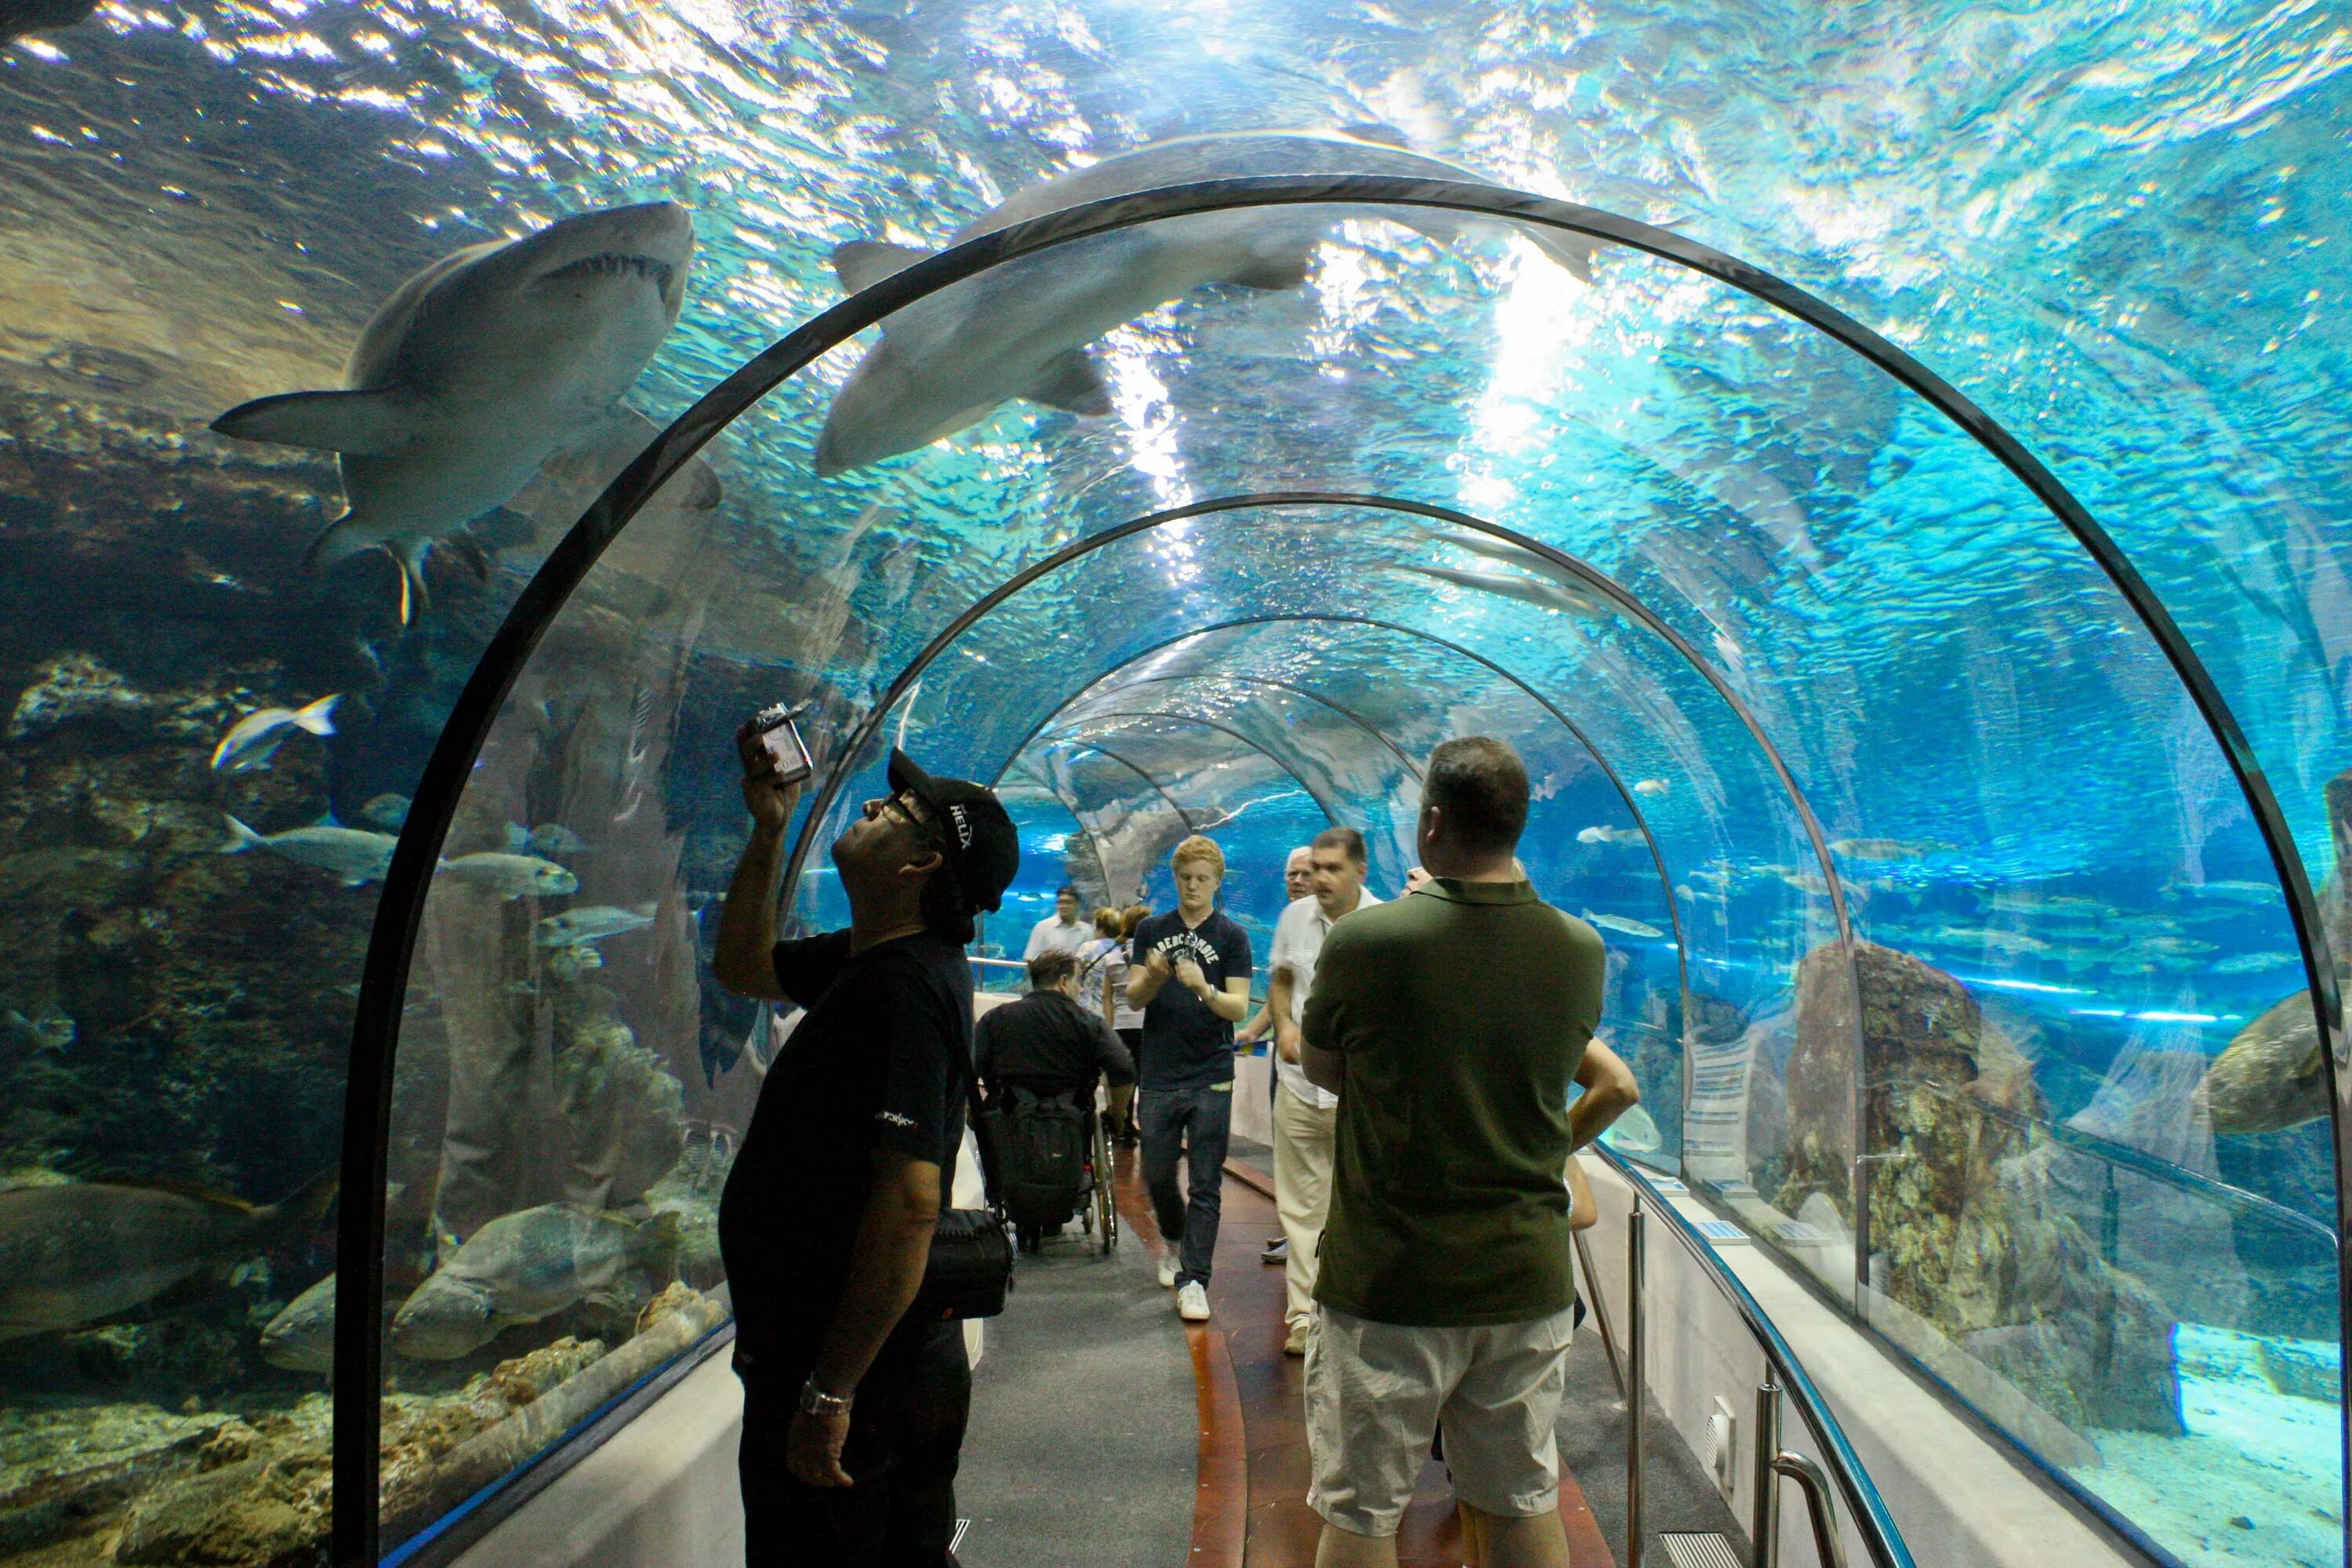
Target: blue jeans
1193 1124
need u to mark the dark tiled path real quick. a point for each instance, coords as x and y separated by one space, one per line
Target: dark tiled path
1251 1510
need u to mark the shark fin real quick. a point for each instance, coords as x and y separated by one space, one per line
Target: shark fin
470 554
862 263
337 540
1274 274
413 596
1379 133
1071 381
369 424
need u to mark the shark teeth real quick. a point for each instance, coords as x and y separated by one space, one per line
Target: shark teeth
616 263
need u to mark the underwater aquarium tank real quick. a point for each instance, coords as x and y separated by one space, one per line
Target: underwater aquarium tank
1883 466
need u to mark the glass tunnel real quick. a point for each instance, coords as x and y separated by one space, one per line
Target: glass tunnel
1875 468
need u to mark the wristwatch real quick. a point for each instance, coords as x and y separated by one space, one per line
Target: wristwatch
816 1401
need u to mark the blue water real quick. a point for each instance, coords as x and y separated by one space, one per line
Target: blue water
2111 227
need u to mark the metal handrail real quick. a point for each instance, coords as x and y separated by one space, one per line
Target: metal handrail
1828 1544
2139 1162
1880 1535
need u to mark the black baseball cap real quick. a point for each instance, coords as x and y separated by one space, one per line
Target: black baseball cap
982 848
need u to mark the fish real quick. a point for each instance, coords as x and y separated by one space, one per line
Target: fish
510 876
389 812
253 739
2272 1074
1610 836
479 368
354 854
550 840
1884 848
1620 923
301 1337
594 923
2255 962
2235 893
50 1027
1020 329
1539 592
1657 788
1635 1134
83 1252
521 1268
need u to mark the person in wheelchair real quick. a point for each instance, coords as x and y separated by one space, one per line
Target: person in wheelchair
1048 1043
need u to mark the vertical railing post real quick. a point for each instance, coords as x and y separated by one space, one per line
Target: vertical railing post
1635 1382
1764 1515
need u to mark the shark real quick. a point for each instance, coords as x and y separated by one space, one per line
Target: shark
1020 329
1545 595
480 368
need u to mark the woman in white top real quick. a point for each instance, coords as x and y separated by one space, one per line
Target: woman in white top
1102 988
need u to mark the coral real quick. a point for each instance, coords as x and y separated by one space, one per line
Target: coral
73 685
1975 1233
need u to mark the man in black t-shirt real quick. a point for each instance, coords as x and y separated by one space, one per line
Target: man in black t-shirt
853 1414
1046 1042
1191 975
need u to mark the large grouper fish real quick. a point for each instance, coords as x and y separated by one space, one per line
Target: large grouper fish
478 370
523 1267
83 1252
1020 329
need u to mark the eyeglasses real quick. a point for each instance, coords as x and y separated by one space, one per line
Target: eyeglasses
905 807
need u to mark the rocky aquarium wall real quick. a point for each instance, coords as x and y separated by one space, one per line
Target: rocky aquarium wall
1880 468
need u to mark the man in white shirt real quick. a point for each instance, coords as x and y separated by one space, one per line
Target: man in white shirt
1061 931
1305 1118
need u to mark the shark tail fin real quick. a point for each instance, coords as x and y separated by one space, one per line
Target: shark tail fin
307 1204
319 717
1573 252
240 838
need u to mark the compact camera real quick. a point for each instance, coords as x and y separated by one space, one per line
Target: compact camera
774 731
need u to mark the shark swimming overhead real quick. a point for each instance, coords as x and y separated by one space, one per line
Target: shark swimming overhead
1020 329
478 369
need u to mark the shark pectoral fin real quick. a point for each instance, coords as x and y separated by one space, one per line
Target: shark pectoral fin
1071 381
1274 273
862 263
369 424
1572 251
342 537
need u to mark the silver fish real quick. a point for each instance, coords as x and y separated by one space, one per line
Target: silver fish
83 1252
1542 593
253 739
2255 962
353 854
479 368
301 1337
548 838
1020 329
522 1268
1884 848
1620 923
591 924
1656 788
389 812
1610 836
510 876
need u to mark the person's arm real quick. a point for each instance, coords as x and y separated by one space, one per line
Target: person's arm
983 1049
1323 1025
1610 1092
1251 1031
1036 943
887 1261
741 957
1278 1003
1111 1055
1145 979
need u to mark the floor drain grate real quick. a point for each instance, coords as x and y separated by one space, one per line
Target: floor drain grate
1696 1550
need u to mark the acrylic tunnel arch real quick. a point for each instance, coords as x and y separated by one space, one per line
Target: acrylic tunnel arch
1109 679
360 1285
1043 786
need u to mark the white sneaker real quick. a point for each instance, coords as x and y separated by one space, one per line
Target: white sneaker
1193 1302
1168 1271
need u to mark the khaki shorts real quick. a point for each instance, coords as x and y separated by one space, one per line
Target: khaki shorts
1375 1391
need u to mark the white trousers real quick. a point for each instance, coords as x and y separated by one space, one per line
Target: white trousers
1304 1138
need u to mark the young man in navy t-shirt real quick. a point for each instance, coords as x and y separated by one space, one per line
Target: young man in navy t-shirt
1191 975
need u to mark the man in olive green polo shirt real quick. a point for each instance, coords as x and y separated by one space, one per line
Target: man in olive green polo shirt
1451 1023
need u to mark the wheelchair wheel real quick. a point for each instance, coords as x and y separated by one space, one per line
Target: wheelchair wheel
1106 1202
